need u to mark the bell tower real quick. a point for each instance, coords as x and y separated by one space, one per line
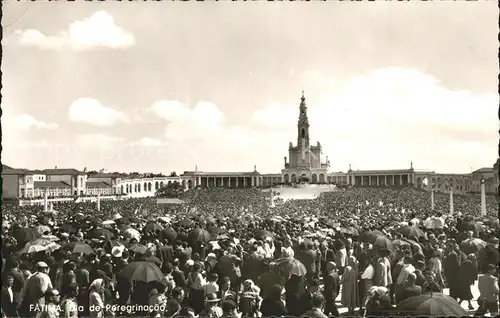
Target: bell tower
303 125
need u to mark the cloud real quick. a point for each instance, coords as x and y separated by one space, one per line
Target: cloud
99 140
149 142
91 111
25 122
391 116
275 115
99 30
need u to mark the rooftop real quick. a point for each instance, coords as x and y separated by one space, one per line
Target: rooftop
98 184
484 170
51 184
59 172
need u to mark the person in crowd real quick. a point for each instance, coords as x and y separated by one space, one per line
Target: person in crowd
378 303
9 305
350 285
305 300
96 302
409 289
317 306
431 286
468 275
212 310
272 304
331 289
250 299
196 283
69 304
35 289
51 308
451 266
489 291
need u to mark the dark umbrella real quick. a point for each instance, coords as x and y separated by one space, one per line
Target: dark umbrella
431 304
169 233
67 228
199 235
289 266
370 236
400 243
262 234
138 248
186 222
215 230
26 234
99 232
472 245
78 247
142 271
383 242
152 227
411 231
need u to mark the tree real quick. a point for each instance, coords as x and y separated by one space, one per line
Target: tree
171 190
173 174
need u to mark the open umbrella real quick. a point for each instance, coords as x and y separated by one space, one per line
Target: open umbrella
431 304
152 227
169 234
138 248
370 236
78 247
262 234
26 234
411 231
400 243
199 235
34 248
383 242
43 228
108 222
186 222
291 266
142 271
472 245
99 232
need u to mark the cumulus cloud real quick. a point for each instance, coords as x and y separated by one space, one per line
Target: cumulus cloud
91 111
25 122
98 30
149 142
393 115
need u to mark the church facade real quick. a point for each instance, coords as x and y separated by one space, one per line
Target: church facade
303 164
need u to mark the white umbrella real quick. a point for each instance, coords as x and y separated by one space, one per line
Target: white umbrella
108 222
133 234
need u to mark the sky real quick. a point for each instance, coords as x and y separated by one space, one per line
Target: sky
168 86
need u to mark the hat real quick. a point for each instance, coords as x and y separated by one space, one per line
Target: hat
212 298
117 251
211 255
41 265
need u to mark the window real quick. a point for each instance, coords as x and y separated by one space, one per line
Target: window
303 133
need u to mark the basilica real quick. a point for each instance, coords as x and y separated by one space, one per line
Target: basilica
304 165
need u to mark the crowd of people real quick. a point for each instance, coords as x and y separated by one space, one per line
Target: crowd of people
230 253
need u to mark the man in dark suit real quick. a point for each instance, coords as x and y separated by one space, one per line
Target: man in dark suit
9 306
419 273
19 280
331 289
410 289
178 275
306 298
309 260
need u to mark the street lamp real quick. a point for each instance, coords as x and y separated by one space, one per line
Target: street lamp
451 199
